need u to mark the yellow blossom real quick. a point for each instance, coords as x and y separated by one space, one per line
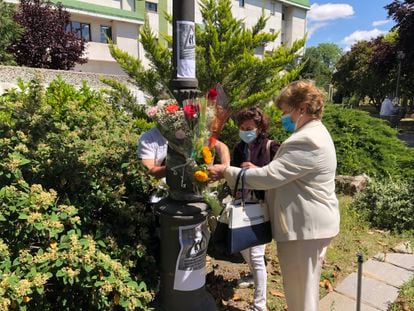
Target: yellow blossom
116 299
23 287
53 245
26 299
207 155
201 176
33 217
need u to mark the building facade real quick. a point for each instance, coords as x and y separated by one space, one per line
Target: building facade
120 20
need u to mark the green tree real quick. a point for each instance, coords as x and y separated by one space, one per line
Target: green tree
402 12
9 31
225 54
319 63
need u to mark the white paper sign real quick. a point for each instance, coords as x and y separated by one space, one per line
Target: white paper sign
186 49
190 272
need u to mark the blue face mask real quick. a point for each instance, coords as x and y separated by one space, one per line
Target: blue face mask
288 124
248 136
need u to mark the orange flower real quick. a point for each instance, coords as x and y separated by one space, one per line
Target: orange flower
207 155
201 176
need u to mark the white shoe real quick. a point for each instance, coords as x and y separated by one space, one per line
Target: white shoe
253 308
245 282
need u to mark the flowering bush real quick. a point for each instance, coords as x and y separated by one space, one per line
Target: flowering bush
85 245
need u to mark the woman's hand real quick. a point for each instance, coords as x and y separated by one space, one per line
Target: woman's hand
216 172
247 165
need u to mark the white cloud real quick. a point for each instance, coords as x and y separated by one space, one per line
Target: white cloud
360 35
315 26
329 11
380 23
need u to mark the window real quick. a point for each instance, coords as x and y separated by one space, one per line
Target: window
272 30
151 6
106 33
283 12
272 8
241 3
81 30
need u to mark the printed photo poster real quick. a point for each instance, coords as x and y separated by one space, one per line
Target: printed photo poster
190 272
186 49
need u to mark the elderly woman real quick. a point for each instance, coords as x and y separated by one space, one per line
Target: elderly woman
300 192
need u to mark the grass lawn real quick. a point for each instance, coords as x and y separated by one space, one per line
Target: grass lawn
355 236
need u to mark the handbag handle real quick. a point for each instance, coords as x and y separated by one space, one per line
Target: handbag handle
240 175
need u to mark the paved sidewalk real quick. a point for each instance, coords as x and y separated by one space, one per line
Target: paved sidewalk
381 278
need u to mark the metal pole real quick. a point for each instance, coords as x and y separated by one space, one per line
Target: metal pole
360 261
184 82
398 79
184 234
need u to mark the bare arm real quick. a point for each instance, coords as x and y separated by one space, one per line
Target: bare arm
154 170
223 152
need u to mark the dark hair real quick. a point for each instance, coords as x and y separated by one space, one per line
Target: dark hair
257 115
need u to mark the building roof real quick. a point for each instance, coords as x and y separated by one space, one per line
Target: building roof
137 15
301 3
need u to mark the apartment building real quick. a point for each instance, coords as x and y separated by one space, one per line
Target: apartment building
120 20
288 17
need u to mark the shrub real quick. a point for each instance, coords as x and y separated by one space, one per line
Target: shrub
388 204
77 143
365 144
48 264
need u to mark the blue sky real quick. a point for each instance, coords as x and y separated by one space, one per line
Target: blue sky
344 22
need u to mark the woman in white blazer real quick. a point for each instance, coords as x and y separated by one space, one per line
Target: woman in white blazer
300 184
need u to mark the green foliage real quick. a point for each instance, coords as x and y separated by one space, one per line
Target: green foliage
77 143
388 204
319 63
9 31
368 69
366 145
225 53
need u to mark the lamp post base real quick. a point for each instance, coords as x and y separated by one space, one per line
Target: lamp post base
184 240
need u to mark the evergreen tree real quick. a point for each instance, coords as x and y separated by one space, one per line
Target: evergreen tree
9 31
45 42
225 53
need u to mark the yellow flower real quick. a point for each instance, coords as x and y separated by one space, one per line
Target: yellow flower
201 176
207 155
26 299
116 299
53 245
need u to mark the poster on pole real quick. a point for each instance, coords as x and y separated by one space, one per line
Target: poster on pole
190 271
186 49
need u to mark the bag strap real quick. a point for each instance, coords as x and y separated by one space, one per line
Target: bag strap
268 144
236 186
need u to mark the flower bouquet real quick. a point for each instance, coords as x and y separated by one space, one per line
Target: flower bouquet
187 130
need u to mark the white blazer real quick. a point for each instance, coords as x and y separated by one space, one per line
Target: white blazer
300 184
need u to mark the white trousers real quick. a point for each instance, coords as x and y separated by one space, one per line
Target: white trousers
301 263
254 256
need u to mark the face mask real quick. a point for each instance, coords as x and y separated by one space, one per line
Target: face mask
248 136
288 124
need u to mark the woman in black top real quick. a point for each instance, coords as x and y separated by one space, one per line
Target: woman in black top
254 150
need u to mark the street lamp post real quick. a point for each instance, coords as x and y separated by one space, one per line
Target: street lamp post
400 57
184 231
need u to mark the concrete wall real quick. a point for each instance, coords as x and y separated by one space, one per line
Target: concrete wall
9 76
